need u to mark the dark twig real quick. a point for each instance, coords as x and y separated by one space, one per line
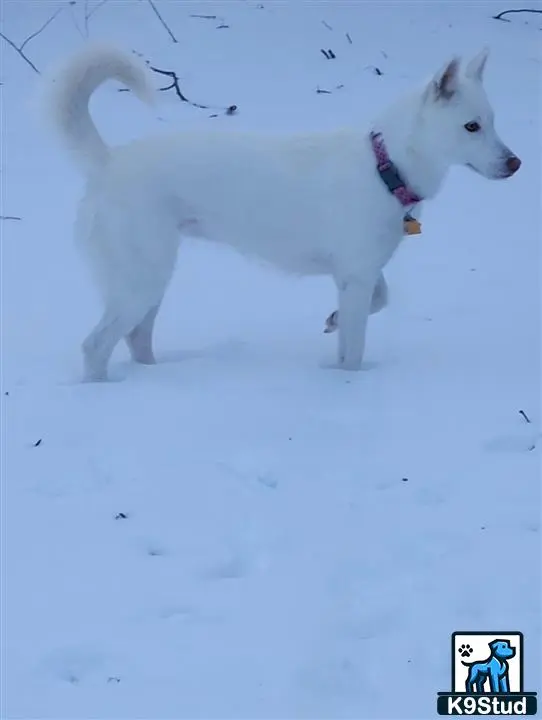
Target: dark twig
42 28
524 416
164 24
349 38
325 24
319 91
328 54
19 49
500 16
230 110
90 13
9 217
223 23
174 85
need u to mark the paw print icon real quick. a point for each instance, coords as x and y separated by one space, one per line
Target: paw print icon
465 650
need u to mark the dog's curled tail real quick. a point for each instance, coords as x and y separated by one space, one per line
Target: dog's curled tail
69 92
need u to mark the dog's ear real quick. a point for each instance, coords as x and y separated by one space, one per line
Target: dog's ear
475 68
445 83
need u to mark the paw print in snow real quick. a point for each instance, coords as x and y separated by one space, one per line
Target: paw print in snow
465 650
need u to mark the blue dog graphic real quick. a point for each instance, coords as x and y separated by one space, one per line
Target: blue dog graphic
495 668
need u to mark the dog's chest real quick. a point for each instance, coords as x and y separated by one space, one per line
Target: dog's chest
387 239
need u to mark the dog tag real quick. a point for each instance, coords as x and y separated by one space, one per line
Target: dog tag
411 226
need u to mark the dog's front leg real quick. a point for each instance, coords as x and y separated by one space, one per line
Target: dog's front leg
355 295
494 681
379 301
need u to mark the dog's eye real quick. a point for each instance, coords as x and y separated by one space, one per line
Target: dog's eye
472 126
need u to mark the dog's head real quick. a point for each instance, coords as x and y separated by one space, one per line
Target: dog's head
459 119
502 650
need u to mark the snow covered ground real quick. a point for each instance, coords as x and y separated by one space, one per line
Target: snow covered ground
238 532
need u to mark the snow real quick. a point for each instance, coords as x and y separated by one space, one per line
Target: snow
297 542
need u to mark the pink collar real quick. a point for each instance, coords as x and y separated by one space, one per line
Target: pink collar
390 174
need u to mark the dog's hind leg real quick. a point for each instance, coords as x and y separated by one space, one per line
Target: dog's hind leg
133 250
98 346
139 340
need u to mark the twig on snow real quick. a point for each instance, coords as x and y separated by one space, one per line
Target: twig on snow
230 110
20 48
500 16
328 54
325 24
349 38
42 28
90 12
164 24
10 217
524 416
223 23
174 85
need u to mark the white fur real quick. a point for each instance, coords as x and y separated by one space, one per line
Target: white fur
307 203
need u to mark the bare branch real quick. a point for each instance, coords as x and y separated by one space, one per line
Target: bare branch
42 28
94 9
75 23
20 49
164 24
174 85
506 12
90 13
230 110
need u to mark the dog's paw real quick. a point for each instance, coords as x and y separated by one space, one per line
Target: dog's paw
335 365
465 650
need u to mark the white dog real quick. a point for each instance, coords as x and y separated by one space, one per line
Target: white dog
320 203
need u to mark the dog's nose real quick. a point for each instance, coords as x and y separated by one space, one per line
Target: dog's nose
513 164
